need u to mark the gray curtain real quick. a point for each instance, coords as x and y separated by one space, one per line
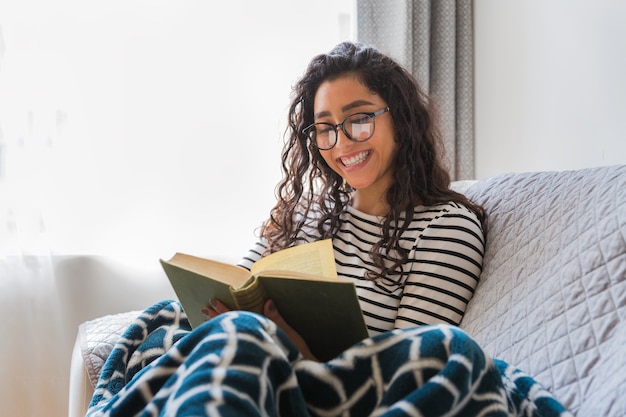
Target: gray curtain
434 40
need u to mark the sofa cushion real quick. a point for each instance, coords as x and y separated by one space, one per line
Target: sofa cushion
97 338
552 295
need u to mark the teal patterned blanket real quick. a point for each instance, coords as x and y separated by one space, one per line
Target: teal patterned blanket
241 364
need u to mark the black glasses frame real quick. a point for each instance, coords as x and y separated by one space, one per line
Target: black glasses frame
310 133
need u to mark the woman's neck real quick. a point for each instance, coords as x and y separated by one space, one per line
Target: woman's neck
375 205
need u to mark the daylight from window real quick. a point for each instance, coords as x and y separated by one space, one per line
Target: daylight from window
142 128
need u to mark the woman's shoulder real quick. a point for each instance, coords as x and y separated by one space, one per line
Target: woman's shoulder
453 219
449 209
450 206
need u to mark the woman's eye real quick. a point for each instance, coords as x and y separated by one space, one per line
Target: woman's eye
360 119
324 129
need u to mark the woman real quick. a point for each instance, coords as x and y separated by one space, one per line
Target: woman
363 167
362 129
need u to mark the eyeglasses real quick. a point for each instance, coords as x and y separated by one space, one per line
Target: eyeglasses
357 127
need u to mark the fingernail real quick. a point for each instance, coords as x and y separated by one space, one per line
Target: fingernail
271 306
213 302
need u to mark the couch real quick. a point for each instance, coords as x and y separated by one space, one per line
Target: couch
551 297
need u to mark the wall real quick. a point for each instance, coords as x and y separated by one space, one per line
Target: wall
550 85
143 128
131 129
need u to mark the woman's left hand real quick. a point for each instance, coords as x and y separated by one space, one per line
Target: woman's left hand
271 312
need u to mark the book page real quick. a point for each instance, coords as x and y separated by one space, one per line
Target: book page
230 274
316 258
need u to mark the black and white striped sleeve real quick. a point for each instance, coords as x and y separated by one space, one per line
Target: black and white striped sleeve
444 270
253 255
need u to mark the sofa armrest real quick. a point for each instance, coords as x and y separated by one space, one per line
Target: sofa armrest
81 390
94 342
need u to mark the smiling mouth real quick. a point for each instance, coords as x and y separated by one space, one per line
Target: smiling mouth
355 159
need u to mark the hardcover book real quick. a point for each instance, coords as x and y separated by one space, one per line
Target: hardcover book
301 280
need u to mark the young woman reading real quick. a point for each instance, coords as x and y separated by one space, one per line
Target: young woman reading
362 166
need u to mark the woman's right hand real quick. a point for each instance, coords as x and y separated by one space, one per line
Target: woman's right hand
214 309
217 307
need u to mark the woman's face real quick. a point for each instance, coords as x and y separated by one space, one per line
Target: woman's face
366 166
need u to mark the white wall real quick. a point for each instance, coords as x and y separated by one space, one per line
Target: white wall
142 128
131 129
550 84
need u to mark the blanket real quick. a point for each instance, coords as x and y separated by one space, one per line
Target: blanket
241 364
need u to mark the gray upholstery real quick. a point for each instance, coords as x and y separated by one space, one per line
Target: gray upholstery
552 295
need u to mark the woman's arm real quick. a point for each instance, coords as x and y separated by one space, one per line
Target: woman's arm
447 261
253 255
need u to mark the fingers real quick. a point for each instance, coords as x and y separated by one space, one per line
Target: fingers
271 312
214 309
219 306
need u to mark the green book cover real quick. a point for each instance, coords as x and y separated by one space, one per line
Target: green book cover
323 309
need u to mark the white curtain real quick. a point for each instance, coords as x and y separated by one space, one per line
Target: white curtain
130 130
434 40
28 299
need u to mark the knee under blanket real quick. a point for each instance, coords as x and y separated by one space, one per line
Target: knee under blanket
241 364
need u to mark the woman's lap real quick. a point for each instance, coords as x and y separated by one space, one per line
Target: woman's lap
241 364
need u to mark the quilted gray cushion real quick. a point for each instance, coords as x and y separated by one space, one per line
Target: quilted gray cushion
97 338
552 296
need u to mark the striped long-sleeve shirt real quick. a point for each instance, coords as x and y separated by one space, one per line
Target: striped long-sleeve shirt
446 249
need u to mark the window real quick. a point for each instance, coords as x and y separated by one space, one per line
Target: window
121 123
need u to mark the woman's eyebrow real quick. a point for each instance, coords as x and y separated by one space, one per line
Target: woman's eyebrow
354 104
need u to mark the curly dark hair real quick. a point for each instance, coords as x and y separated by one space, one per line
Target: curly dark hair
420 177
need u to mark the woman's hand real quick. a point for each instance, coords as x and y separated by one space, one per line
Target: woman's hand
217 307
270 311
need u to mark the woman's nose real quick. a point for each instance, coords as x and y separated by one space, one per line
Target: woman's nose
342 139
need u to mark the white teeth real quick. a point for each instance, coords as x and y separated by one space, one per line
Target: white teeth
355 160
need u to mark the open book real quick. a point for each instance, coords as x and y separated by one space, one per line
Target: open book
301 280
